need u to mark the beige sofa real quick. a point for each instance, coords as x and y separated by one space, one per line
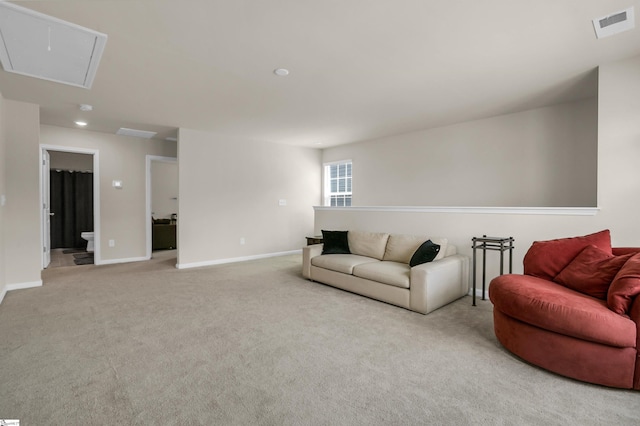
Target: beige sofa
378 267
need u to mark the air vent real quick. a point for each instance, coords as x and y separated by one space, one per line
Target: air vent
614 23
40 46
136 133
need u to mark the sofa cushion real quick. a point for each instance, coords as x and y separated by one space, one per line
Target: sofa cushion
553 307
335 242
370 244
391 273
340 262
625 286
425 253
400 248
545 259
591 272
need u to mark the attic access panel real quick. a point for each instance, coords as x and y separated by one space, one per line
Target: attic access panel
40 46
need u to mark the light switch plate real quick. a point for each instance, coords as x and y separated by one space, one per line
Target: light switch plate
117 184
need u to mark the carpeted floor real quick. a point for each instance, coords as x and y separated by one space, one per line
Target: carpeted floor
255 343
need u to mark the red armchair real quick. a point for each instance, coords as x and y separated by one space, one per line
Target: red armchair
574 311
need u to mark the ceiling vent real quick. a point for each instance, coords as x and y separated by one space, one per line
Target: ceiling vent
136 133
40 46
614 24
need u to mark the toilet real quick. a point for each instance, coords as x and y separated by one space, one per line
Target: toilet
88 236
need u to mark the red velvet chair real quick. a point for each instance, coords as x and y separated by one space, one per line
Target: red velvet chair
574 311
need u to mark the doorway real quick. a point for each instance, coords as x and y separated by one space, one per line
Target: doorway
70 195
162 203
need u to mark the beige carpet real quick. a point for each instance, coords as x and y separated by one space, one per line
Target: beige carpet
255 343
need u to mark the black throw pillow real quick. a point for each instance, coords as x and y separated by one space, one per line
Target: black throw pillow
335 242
425 253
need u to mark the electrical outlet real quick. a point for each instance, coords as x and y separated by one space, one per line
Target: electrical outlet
242 241
112 243
282 202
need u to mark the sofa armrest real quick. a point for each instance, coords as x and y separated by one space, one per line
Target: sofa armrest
437 283
308 253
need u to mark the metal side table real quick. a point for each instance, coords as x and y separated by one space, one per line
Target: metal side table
485 243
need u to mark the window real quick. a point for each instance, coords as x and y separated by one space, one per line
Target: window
337 184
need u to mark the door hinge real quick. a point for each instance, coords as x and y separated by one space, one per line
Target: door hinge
44 249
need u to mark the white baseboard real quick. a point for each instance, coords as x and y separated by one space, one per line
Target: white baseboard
126 260
234 259
479 293
21 286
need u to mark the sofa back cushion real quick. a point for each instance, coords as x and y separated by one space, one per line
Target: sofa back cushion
545 259
401 248
370 244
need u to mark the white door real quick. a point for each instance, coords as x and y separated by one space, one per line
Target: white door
46 210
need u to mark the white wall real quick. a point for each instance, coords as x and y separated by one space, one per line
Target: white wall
618 184
22 243
230 189
3 159
122 211
71 161
164 189
542 157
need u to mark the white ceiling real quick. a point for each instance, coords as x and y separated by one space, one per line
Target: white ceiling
360 69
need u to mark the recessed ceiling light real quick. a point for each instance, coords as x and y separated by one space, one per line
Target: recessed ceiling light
281 72
86 107
81 123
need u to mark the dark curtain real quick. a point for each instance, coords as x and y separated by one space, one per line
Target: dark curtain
72 204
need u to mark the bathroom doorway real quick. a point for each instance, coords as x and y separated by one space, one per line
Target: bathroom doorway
70 200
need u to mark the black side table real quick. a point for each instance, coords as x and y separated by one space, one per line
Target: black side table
485 243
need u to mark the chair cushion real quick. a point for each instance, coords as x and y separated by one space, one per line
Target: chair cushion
391 273
340 262
591 272
370 244
545 259
625 286
553 307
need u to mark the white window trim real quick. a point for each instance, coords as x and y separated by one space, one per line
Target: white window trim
326 185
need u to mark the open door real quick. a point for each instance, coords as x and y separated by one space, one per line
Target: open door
46 210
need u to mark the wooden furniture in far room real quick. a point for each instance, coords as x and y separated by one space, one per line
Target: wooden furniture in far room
163 236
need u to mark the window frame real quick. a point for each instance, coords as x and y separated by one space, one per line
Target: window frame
326 183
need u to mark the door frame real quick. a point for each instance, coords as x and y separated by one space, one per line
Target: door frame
45 167
149 160
96 195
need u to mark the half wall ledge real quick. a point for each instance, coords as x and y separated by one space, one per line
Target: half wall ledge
562 211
